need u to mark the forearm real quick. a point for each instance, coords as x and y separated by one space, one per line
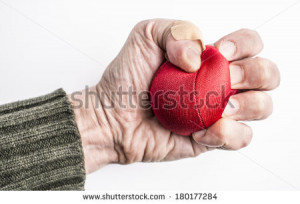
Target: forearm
51 142
40 146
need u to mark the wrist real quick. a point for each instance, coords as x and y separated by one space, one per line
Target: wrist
95 130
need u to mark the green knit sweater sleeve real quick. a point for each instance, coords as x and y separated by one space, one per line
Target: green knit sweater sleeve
40 145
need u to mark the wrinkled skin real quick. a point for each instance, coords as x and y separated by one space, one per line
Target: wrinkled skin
127 135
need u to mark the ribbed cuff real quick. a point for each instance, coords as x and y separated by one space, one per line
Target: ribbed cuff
40 145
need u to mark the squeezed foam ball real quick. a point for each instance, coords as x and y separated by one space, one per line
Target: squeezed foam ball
188 102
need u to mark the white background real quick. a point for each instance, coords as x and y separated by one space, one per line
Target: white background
47 44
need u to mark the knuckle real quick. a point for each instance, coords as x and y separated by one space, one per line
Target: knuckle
262 62
269 107
259 103
253 35
142 24
278 81
268 76
276 73
248 137
249 32
143 28
259 75
265 74
222 132
245 30
263 105
258 40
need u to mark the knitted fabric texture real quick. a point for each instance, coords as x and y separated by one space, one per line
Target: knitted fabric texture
188 102
40 145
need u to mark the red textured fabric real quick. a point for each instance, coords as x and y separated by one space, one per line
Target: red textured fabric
188 102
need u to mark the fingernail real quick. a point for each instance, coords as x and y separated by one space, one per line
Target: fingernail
227 48
194 57
232 107
236 74
199 134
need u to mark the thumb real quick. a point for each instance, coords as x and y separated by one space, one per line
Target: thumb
182 41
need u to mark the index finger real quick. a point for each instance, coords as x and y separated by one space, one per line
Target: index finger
240 44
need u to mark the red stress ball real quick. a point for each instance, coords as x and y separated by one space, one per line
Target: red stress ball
188 102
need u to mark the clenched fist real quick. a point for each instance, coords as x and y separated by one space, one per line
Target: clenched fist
115 119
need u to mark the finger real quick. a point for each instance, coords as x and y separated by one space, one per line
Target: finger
181 40
185 54
254 73
240 44
250 105
183 147
225 133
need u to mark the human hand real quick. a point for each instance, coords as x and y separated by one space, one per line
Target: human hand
126 134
